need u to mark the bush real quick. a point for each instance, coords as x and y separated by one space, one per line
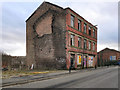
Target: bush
108 63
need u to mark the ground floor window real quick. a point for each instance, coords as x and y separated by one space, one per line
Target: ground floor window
90 61
79 59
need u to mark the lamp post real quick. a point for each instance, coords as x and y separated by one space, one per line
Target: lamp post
83 54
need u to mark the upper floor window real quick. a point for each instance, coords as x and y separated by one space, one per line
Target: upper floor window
79 25
85 44
89 45
85 28
72 20
93 32
89 30
72 40
93 46
79 41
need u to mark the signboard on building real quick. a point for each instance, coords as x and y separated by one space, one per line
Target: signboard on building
79 58
112 58
90 61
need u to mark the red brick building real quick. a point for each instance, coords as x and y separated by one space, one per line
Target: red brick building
107 55
60 36
84 35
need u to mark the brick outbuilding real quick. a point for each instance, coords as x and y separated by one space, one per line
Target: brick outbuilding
55 37
107 55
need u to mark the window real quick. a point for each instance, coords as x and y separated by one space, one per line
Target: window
93 32
72 40
85 28
79 42
94 46
89 30
79 25
85 44
89 45
72 20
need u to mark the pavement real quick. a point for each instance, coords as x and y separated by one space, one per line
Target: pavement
39 77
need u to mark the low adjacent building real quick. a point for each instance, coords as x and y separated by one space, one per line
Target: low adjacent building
107 55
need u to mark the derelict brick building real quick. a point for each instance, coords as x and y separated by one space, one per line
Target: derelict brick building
55 36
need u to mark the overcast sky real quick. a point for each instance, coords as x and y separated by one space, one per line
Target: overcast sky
14 14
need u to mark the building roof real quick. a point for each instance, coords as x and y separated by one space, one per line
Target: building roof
60 8
109 50
39 7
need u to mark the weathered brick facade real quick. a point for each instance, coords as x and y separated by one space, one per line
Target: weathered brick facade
48 40
80 50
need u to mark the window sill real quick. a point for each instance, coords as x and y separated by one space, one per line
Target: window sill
76 47
75 28
82 32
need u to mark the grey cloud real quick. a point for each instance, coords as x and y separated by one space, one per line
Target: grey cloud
13 37
13 48
105 15
102 14
10 18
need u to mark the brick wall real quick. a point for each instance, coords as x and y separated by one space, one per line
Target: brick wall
45 37
74 30
43 26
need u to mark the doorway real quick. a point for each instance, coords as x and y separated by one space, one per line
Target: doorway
72 61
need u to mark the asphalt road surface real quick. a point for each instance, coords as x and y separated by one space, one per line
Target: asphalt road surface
99 78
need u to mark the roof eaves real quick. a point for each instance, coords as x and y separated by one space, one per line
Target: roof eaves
39 7
109 49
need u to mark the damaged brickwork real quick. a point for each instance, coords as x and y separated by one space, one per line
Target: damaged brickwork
46 38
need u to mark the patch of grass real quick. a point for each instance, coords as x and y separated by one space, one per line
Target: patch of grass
20 73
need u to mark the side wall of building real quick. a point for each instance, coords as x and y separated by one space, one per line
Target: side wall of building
45 37
44 50
50 42
59 33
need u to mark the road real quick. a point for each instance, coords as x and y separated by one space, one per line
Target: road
99 78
